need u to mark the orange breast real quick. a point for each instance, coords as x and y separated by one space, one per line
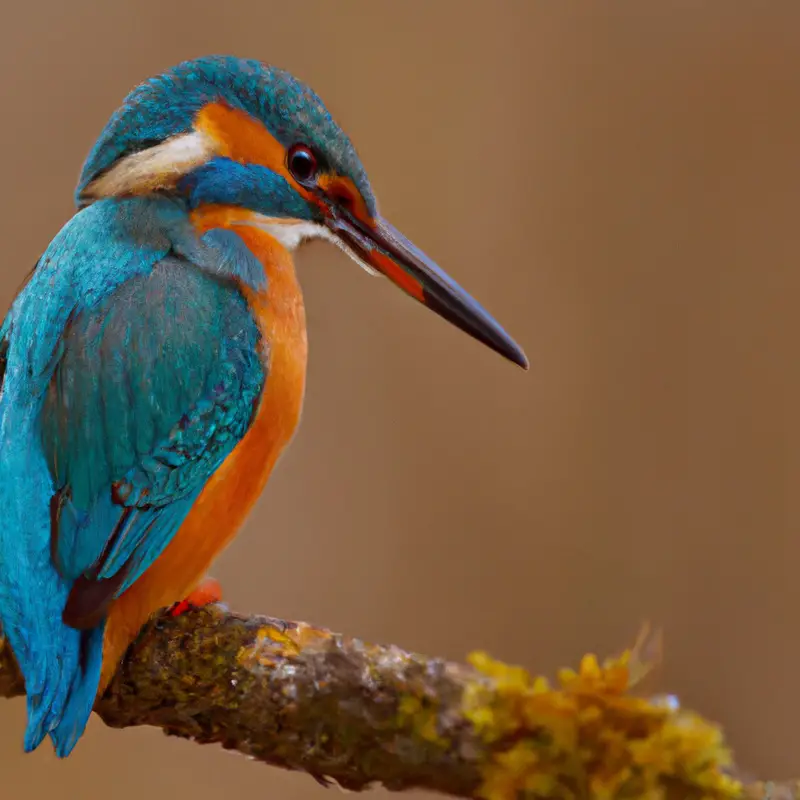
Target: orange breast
233 489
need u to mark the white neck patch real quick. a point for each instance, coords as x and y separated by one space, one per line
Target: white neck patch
291 233
158 167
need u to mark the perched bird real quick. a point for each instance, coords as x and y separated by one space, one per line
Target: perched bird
152 368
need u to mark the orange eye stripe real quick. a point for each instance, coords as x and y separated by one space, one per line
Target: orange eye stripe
242 138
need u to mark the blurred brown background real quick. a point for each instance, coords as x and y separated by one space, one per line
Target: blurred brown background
620 184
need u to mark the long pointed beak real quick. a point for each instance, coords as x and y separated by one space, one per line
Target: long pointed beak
386 250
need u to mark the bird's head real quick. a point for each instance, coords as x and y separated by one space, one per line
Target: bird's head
233 132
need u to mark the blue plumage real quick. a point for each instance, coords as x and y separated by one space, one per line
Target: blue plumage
131 364
131 367
251 186
154 387
165 106
131 372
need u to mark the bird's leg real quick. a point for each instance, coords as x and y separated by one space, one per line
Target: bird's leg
206 592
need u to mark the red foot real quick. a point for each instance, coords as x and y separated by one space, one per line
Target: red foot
206 592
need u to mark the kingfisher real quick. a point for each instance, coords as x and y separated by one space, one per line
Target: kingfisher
152 367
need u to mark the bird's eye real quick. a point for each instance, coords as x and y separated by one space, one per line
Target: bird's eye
302 163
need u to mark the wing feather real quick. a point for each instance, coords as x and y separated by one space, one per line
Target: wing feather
153 388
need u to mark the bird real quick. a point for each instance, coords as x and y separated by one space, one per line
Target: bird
153 364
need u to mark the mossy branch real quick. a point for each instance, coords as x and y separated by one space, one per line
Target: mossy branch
304 698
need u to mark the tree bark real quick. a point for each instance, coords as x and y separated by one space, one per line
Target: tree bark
303 698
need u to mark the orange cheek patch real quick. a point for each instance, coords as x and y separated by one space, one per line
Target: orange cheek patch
335 185
242 138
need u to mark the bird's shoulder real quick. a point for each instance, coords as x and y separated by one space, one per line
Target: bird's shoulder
103 247
149 387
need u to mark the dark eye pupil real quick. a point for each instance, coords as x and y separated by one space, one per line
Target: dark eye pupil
302 164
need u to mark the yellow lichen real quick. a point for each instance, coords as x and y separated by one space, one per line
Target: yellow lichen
269 645
589 736
421 717
273 643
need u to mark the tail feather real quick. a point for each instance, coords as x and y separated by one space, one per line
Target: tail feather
60 683
47 672
35 682
81 696
60 665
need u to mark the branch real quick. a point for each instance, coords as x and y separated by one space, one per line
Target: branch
304 698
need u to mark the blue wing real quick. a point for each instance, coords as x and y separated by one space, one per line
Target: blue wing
128 370
153 389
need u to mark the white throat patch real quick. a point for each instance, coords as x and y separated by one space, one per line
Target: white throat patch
291 233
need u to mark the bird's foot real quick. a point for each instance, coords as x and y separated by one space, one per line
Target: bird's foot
206 592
